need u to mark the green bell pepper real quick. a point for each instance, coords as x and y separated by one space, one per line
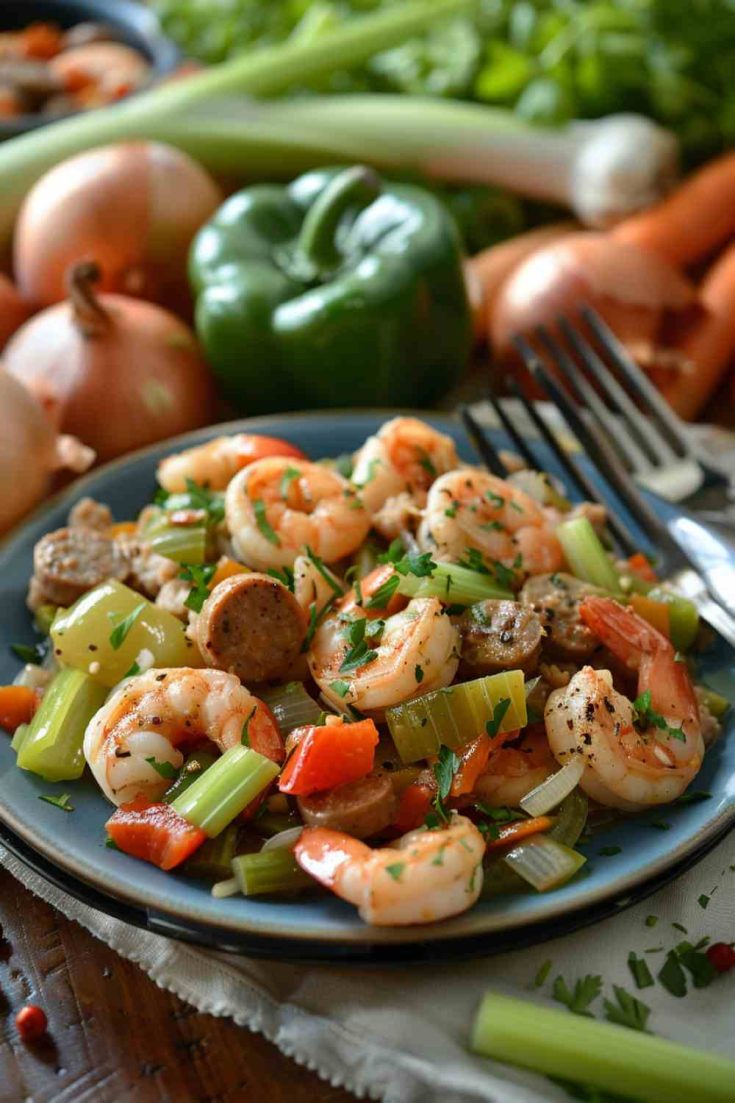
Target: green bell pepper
339 289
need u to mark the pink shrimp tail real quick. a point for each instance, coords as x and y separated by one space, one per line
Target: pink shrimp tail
627 635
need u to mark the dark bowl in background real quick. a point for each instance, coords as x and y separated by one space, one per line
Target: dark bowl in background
134 24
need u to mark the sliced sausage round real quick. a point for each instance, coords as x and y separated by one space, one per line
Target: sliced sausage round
69 562
556 599
500 635
359 808
251 625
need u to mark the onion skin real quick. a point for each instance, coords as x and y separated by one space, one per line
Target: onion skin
30 452
134 207
641 296
13 311
117 372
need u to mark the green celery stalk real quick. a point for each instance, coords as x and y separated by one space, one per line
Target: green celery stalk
212 861
683 617
454 585
263 72
456 715
292 706
193 767
52 746
586 556
613 1058
269 871
225 789
182 543
19 736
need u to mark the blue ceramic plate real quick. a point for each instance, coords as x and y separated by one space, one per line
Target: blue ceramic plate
69 848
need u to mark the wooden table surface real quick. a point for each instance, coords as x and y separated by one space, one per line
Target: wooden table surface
113 1035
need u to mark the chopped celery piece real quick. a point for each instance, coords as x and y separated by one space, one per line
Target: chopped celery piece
570 818
19 737
269 871
225 789
183 543
683 617
112 629
193 768
52 747
454 585
586 556
544 862
213 860
607 1056
43 618
454 716
715 702
292 706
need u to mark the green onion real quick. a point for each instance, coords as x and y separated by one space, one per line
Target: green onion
454 716
165 113
292 706
543 862
610 1057
52 746
554 789
269 871
225 789
213 860
193 767
454 585
586 556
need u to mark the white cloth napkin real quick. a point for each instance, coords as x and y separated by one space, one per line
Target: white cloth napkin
400 1034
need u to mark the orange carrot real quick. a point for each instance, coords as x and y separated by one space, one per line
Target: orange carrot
514 832
708 348
226 568
488 270
122 528
695 220
641 567
17 706
473 761
655 612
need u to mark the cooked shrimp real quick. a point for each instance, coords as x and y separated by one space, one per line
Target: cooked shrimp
426 876
213 464
277 507
404 455
150 717
407 654
471 511
512 772
628 766
314 584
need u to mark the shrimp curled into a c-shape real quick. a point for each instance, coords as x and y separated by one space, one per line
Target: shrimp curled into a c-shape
149 717
425 877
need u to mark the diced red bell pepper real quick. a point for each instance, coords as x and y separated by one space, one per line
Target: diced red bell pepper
17 706
329 756
413 807
154 832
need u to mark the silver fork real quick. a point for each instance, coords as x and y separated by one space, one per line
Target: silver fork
613 485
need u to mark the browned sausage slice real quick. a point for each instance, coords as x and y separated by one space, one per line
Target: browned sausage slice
69 562
251 625
360 808
556 599
500 635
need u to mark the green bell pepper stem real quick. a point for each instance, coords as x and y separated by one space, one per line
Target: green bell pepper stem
355 187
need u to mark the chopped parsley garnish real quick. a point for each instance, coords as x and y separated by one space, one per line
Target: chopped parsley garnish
418 673
651 920
63 802
495 500
315 618
343 465
641 973
474 561
340 687
697 964
660 825
212 502
628 1011
672 976
394 552
692 797
542 973
493 726
384 593
395 870
30 653
245 734
165 769
263 523
287 478
120 631
358 654
646 717
444 771
286 576
585 992
425 461
200 575
419 564
680 927
703 900
451 511
134 669
324 571
492 526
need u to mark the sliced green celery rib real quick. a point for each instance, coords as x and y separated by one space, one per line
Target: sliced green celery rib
453 717
585 554
454 585
193 767
269 871
292 706
225 789
213 860
52 746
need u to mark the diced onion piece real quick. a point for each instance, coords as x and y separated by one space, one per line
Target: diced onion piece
543 862
292 706
287 838
554 789
540 486
228 887
454 716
